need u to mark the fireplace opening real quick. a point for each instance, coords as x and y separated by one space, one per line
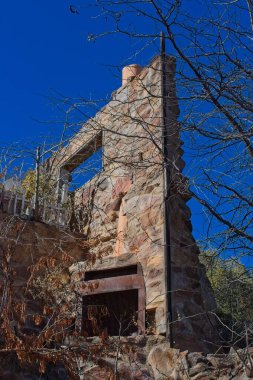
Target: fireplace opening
114 313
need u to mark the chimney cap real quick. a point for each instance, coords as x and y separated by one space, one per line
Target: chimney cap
129 72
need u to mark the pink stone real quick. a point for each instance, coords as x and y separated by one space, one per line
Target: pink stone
122 186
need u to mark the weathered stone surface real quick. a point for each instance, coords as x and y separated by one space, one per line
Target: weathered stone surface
198 369
31 242
140 358
122 186
195 358
123 205
167 363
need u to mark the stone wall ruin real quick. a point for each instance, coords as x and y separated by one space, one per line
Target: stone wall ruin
123 213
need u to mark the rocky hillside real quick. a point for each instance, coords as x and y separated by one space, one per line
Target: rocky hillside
35 281
36 298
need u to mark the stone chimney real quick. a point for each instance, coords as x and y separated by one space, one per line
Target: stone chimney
129 72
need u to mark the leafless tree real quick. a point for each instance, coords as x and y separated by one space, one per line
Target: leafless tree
212 43
213 49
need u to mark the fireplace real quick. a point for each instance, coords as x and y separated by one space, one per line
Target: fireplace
112 301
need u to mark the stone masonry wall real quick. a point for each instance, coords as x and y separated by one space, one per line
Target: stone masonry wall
126 200
123 206
191 294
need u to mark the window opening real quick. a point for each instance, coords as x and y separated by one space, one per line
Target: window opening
87 170
80 168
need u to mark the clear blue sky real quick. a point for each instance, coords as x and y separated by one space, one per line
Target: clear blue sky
44 47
